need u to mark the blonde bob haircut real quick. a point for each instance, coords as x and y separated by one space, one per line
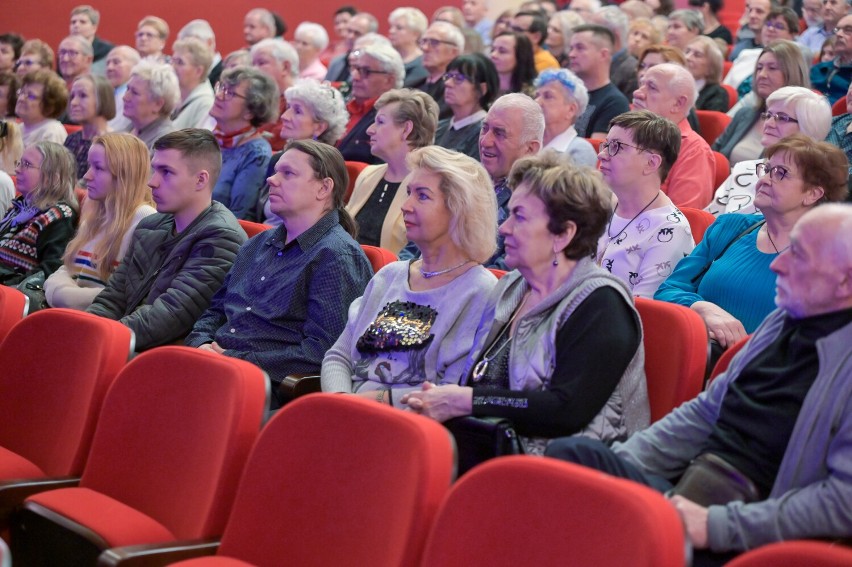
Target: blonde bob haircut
128 161
417 107
57 179
469 195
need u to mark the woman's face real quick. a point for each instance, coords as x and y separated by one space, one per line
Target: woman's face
99 180
768 75
229 107
775 28
650 60
776 127
638 40
678 35
28 62
788 195
555 41
188 74
140 107
424 211
28 107
459 91
148 41
696 61
529 243
82 102
28 171
293 188
503 54
556 103
400 35
298 122
386 136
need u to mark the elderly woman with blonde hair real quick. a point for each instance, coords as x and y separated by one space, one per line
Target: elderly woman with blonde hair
151 35
417 319
191 60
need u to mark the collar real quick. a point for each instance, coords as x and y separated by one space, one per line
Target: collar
475 117
560 141
356 108
308 238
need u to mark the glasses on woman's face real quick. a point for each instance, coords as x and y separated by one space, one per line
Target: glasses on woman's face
456 76
779 117
226 92
612 148
775 172
777 26
30 96
23 165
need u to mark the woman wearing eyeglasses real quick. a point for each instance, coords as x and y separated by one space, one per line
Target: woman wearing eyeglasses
42 99
245 99
470 86
788 110
726 279
151 35
406 120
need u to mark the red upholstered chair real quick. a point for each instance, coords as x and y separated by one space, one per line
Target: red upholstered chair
71 128
253 228
676 343
712 124
725 360
526 510
726 66
595 142
733 96
174 433
378 257
839 107
723 168
354 168
498 273
795 554
57 365
338 480
699 220
14 306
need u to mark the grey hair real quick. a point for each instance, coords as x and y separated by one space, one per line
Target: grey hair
199 29
692 19
616 21
281 50
266 18
199 54
572 85
162 83
451 33
372 22
533 116
415 20
680 81
568 20
325 103
812 110
262 94
371 38
83 44
316 34
389 60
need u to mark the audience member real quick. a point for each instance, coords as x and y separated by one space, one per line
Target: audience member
42 99
35 55
84 22
238 58
502 24
512 55
622 70
705 61
9 85
152 94
642 35
279 60
684 26
534 26
713 28
336 48
590 57
406 27
450 15
75 58
441 43
827 51
832 79
764 445
840 133
177 258
314 267
657 54
470 87
191 58
748 37
475 14
309 40
91 104
151 35
201 30
560 28
781 23
417 319
360 24
646 234
636 10
405 121
559 347
11 149
258 24
117 198
563 97
585 8
10 51
119 66
819 31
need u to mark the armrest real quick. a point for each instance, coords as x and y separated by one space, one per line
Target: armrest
14 492
296 385
156 554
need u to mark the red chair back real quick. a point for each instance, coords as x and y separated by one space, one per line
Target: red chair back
354 168
676 342
14 306
253 228
725 360
726 66
839 107
378 257
526 510
595 142
723 168
498 273
698 220
795 554
57 366
733 96
304 498
71 128
712 124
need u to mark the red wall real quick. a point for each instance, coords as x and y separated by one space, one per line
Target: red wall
48 19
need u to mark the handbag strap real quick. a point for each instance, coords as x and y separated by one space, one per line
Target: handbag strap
748 229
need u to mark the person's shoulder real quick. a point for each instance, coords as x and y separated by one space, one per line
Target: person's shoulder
733 223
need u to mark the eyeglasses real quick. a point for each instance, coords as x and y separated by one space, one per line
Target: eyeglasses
433 43
70 53
27 62
779 117
612 148
226 92
28 95
847 30
366 71
776 173
519 29
456 76
779 26
143 34
23 165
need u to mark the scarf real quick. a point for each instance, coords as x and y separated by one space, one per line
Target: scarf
233 139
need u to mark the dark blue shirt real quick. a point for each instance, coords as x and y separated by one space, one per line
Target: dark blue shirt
283 306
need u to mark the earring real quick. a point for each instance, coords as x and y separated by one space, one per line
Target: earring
556 259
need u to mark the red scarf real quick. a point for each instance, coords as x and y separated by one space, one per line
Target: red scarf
232 139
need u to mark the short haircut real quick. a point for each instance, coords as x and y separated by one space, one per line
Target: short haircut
692 19
654 133
791 19
266 18
451 33
40 49
195 145
636 10
415 20
11 81
537 25
58 175
569 20
157 23
792 63
325 103
417 107
162 83
54 100
240 57
281 50
351 10
450 15
820 164
616 21
602 36
531 114
572 85
715 59
314 33
469 194
812 110
389 60
91 13
680 81
104 94
262 94
668 53
480 70
570 194
198 52
13 39
82 44
200 29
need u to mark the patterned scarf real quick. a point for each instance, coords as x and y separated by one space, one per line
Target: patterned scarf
232 139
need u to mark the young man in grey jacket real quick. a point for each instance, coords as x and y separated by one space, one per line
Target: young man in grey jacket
178 258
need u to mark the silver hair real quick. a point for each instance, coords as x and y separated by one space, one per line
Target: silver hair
83 44
616 21
692 19
326 104
262 93
415 20
315 34
812 110
200 29
531 114
266 18
371 38
388 58
680 81
451 33
162 83
281 50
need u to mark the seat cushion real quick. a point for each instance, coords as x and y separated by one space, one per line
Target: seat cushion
117 523
214 562
13 466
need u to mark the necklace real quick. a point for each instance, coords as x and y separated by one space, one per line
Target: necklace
773 242
384 190
620 232
482 366
428 275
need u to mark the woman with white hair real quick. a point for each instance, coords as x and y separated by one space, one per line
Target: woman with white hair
563 97
788 110
152 94
560 28
684 26
191 60
704 61
310 40
406 27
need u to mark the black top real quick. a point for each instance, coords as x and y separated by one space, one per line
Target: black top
713 97
722 33
761 406
373 213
